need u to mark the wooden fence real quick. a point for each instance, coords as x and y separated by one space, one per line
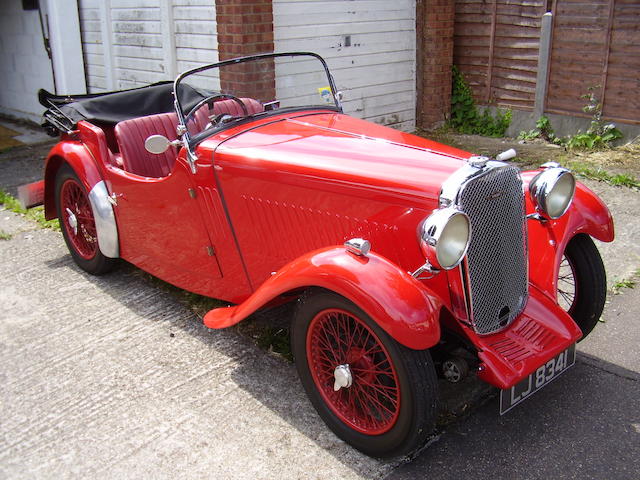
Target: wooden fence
594 43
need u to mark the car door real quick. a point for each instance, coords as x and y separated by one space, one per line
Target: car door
161 227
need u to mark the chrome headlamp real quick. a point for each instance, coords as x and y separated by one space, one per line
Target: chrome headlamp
444 237
552 192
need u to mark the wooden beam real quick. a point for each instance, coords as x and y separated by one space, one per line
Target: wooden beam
492 38
607 49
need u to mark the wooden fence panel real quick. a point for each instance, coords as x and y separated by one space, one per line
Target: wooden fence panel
472 37
621 98
496 47
596 43
577 53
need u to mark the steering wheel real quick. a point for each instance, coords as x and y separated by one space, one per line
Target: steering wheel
210 101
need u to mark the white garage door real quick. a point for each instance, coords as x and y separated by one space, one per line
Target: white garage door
369 46
130 43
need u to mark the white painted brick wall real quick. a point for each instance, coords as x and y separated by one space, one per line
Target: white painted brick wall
24 65
377 72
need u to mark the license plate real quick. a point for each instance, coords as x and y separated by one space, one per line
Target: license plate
546 373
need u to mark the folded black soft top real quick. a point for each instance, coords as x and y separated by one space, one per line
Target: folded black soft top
105 109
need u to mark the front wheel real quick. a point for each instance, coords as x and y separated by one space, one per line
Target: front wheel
375 394
582 283
77 223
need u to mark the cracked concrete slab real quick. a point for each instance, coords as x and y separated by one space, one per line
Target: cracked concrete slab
110 377
622 256
616 339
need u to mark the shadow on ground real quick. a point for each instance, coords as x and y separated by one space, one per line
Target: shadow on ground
282 393
584 425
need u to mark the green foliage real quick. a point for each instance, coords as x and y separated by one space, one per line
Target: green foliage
276 339
5 235
543 130
599 135
619 180
465 116
619 285
36 214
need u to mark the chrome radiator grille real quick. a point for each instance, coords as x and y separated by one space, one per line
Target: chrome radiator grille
497 255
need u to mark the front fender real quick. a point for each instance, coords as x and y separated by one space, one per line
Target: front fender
547 240
399 303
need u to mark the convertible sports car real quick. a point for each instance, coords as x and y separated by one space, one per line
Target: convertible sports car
244 181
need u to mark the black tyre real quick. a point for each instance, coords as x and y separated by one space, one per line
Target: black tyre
390 405
582 283
77 223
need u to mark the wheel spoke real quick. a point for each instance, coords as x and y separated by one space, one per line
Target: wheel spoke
372 397
371 403
82 235
566 285
388 394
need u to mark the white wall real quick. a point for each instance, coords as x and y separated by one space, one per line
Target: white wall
24 64
130 43
377 72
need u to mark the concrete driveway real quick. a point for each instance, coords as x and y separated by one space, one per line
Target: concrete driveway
111 377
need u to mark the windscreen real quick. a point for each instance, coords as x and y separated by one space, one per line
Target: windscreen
235 90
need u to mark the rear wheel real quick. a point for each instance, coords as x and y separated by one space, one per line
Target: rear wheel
374 393
582 283
77 223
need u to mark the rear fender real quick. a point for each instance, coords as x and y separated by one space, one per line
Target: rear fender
547 240
399 303
76 155
87 158
81 160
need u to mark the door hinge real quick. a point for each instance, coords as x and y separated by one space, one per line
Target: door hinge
113 198
210 251
192 193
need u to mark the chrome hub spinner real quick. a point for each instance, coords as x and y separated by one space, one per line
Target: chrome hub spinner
342 377
73 221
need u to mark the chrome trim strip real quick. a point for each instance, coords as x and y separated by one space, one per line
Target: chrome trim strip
106 227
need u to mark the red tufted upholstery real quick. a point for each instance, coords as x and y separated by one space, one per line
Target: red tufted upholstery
131 135
233 108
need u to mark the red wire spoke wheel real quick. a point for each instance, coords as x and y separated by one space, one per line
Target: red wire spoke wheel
371 403
375 394
77 223
567 287
78 219
582 283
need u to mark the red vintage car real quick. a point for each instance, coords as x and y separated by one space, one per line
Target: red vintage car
407 259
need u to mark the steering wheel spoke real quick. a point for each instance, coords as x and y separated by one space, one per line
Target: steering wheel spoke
210 100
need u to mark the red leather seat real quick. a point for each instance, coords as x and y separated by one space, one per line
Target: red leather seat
131 135
233 108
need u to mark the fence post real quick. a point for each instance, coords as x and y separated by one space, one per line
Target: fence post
543 65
